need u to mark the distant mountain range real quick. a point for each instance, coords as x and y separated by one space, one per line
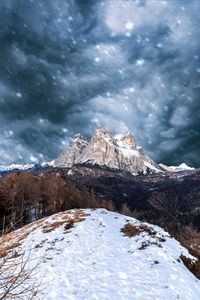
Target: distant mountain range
117 152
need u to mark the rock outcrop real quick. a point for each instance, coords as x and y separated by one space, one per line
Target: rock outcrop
68 157
105 149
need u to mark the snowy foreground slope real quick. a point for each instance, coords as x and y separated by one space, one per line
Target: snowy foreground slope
85 255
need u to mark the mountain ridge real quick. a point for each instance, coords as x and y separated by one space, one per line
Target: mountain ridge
98 254
106 150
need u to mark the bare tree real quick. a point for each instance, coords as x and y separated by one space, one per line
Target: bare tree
18 277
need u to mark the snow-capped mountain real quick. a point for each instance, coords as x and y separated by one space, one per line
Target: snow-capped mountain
181 167
26 167
97 254
118 152
70 155
16 167
105 149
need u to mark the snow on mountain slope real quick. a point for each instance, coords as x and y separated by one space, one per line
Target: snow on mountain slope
85 255
25 166
48 163
16 166
71 153
181 167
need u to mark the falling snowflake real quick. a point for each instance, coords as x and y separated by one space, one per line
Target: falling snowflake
132 90
129 25
18 95
97 59
140 62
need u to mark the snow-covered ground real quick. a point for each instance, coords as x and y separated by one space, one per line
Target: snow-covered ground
95 260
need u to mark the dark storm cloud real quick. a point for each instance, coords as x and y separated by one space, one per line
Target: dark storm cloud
69 66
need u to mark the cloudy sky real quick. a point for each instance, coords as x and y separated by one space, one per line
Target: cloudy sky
68 66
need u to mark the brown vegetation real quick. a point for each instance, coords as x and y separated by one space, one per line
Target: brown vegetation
68 220
192 265
189 237
12 240
25 197
131 230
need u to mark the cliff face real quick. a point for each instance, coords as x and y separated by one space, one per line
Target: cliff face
68 157
105 149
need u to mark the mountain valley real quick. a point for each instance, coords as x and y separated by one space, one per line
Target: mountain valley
111 172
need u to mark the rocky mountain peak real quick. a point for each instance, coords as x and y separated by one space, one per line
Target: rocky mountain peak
129 139
105 149
68 157
101 133
78 137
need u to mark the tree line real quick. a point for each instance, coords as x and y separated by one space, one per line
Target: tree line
26 197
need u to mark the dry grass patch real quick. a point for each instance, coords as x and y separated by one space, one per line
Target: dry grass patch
52 226
67 218
14 239
7 248
131 230
192 265
190 238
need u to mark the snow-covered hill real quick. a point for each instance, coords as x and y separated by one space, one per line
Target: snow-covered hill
89 254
